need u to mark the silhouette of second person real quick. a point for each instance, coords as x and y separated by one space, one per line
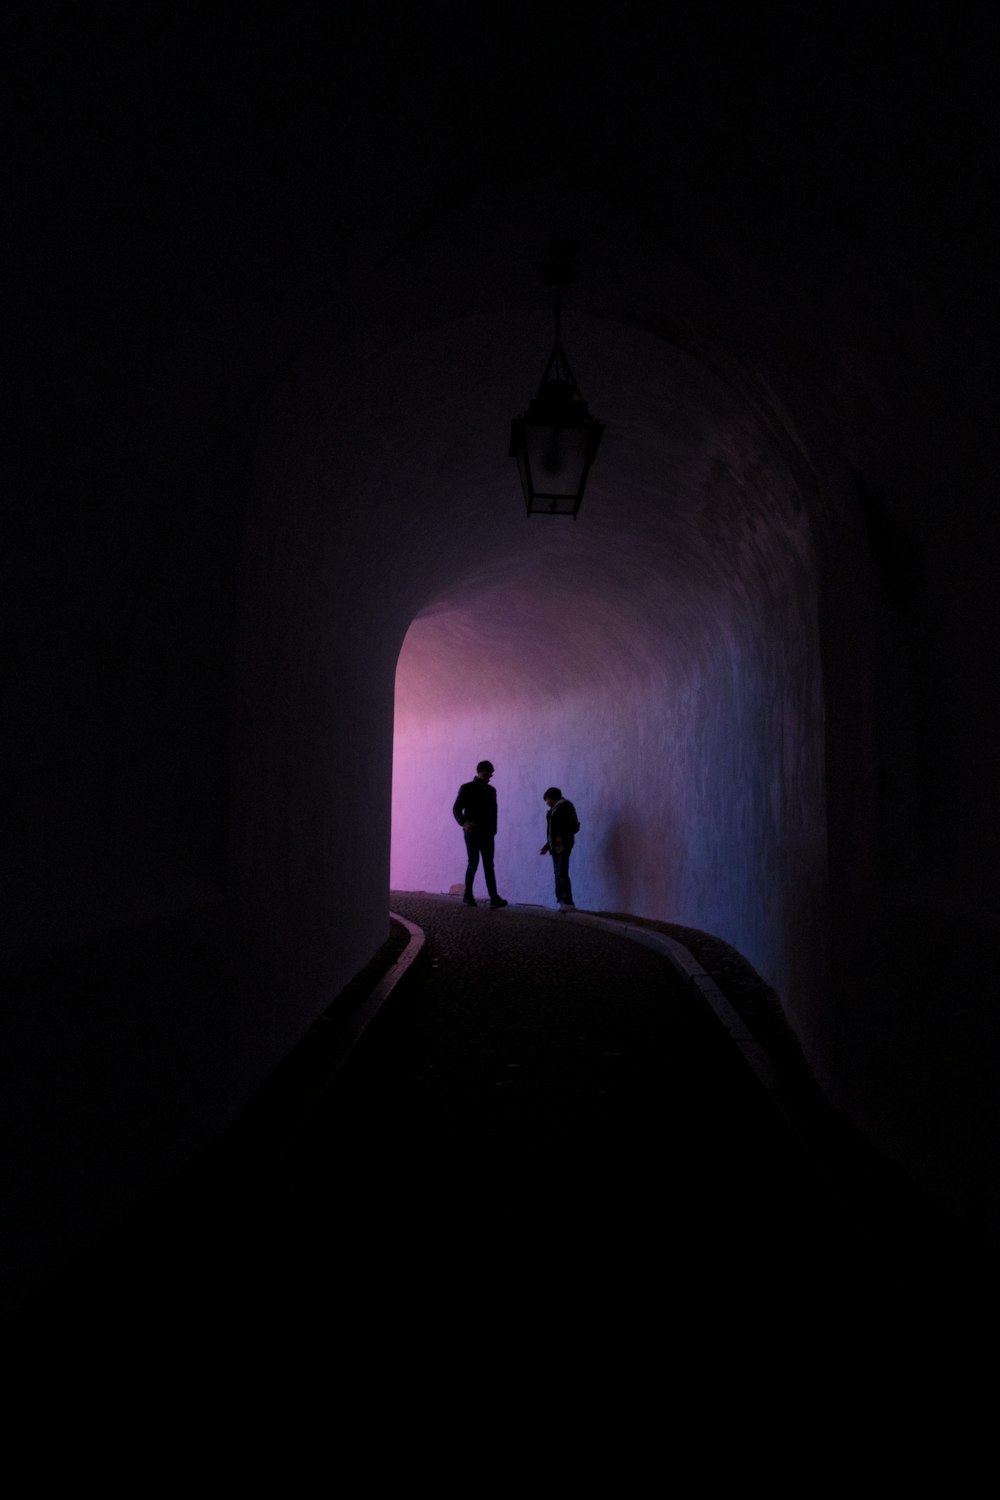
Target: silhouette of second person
561 827
475 812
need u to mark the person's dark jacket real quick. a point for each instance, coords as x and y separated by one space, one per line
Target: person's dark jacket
561 823
476 803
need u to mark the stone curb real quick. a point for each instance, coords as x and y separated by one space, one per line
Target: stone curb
692 973
754 1053
351 1035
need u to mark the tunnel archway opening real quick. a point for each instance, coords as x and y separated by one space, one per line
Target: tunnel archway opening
658 659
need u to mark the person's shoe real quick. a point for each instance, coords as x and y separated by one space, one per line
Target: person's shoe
496 901
468 900
566 906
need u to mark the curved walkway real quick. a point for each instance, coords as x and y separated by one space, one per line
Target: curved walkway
527 1107
580 1065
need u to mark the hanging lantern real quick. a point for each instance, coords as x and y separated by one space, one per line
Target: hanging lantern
556 440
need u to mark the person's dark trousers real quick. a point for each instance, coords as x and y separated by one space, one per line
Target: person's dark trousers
560 865
477 844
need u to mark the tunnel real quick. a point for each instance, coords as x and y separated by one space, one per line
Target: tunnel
271 591
659 655
697 655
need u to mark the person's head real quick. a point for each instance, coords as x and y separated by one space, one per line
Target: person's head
552 796
484 770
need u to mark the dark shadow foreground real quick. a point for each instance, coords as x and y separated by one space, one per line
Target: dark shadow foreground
539 1125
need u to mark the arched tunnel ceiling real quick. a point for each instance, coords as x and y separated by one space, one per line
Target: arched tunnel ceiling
689 524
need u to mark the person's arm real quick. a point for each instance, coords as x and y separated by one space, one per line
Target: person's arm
458 810
567 822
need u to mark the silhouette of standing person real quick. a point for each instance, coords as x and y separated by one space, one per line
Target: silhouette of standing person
475 812
561 827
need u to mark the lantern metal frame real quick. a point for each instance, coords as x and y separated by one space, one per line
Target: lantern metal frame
556 430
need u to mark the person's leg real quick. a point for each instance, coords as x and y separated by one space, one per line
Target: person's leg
560 865
486 848
472 850
567 888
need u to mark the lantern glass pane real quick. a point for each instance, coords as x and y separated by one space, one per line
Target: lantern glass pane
557 459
